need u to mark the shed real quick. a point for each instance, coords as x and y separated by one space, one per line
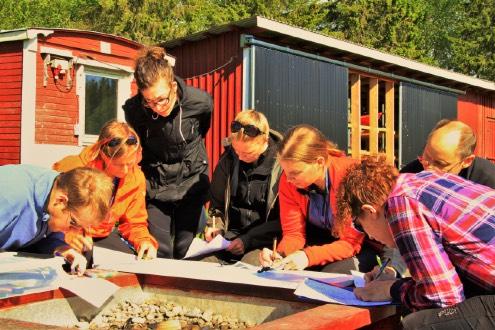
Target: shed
57 88
366 100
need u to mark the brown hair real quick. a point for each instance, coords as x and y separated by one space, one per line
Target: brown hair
85 187
369 182
467 139
305 143
152 65
255 118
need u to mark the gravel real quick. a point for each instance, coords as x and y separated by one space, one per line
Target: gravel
163 315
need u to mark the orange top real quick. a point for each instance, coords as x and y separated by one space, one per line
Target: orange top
293 214
129 205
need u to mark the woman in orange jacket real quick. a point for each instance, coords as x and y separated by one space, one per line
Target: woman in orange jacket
312 170
117 153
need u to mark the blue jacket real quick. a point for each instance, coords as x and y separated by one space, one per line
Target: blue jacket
24 194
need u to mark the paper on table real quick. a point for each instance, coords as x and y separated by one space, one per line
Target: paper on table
340 280
199 247
237 273
94 290
332 294
358 278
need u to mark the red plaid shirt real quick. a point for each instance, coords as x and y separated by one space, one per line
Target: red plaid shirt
444 227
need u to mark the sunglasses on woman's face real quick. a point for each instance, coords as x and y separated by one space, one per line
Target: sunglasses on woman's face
249 130
131 140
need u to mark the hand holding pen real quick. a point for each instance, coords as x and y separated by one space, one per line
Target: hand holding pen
269 258
381 272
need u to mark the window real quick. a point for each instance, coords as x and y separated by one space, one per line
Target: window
102 92
100 102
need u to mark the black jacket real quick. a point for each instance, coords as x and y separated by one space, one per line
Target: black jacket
250 194
174 162
481 171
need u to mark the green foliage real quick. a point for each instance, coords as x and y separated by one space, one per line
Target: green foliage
455 34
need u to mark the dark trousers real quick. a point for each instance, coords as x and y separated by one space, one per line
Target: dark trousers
174 225
364 262
474 313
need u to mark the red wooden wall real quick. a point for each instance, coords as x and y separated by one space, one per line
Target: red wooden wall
199 62
56 107
478 111
10 102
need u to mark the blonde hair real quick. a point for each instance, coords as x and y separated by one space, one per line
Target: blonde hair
255 118
85 187
152 65
114 129
305 143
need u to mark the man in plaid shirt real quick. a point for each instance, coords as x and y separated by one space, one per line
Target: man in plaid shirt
444 228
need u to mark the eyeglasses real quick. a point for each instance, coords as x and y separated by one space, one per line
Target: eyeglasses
249 130
159 102
73 222
131 141
432 164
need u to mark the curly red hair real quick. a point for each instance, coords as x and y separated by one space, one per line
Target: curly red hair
369 182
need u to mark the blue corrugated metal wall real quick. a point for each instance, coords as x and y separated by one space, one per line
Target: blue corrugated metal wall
291 90
421 109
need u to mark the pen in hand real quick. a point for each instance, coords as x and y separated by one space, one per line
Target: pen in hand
274 251
382 267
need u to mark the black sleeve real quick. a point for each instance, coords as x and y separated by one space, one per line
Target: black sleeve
483 172
261 235
413 167
219 183
205 122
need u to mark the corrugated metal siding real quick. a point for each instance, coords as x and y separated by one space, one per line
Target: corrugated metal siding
291 90
421 109
478 111
10 102
198 62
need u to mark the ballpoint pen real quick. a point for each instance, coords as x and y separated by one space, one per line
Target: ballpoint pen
382 268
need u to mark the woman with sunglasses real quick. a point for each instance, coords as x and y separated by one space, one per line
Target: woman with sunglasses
171 120
244 190
117 153
312 170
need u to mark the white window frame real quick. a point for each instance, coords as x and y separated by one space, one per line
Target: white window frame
124 78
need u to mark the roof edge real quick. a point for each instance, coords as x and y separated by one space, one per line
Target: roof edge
324 40
22 34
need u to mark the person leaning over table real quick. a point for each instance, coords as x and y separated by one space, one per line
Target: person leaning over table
117 153
37 202
171 120
312 170
244 190
444 228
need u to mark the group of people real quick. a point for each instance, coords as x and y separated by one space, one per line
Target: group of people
144 185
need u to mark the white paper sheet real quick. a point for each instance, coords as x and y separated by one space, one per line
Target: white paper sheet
94 290
358 278
237 273
328 293
199 247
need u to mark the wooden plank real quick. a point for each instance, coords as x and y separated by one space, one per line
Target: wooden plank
389 121
373 108
355 81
